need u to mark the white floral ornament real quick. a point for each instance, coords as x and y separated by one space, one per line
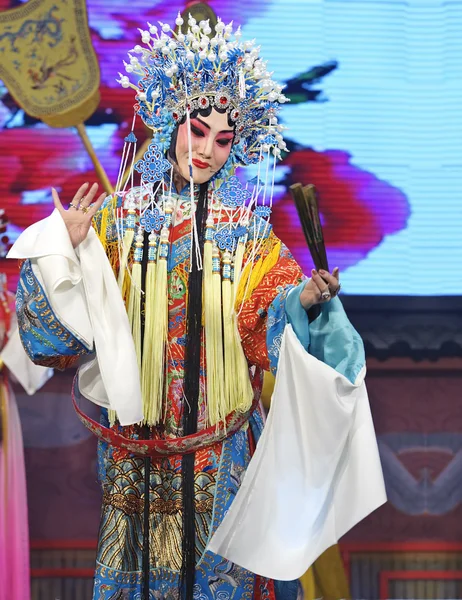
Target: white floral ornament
191 68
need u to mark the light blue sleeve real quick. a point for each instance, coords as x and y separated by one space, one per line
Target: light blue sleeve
330 337
45 339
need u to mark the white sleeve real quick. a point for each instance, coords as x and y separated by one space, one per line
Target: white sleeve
31 377
84 294
315 473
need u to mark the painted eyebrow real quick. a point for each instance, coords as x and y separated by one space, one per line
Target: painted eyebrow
207 126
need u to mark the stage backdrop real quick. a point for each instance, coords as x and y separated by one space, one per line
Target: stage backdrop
374 124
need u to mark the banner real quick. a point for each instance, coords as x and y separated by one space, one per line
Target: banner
47 60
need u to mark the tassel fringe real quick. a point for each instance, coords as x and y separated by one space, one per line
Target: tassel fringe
155 333
126 247
252 277
231 391
216 403
134 302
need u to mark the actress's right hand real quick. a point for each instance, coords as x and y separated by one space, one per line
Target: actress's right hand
80 212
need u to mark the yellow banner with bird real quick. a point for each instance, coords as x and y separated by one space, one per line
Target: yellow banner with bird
47 60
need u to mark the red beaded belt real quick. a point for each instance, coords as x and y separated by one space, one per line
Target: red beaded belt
167 447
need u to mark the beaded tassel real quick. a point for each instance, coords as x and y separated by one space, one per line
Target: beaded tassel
126 246
149 349
228 333
243 387
130 287
216 404
134 302
158 311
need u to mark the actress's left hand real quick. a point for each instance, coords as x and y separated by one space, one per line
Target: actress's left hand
321 288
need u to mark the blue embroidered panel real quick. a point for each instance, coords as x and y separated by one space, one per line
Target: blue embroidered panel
46 341
276 323
179 252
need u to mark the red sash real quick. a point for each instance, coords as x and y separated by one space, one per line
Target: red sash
159 448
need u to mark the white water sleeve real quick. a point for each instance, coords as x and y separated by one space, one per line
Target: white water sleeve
85 297
315 473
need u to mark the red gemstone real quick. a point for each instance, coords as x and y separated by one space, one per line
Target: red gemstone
223 100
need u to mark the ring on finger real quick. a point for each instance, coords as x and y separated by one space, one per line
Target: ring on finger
84 209
72 205
325 295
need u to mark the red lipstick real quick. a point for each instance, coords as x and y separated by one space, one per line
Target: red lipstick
199 164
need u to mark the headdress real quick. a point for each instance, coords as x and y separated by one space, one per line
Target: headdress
184 71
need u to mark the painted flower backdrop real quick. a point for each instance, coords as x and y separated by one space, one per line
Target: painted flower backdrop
358 209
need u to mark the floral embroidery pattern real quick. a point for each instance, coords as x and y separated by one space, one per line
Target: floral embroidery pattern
275 347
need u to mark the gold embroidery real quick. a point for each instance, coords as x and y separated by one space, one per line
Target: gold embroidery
130 504
165 507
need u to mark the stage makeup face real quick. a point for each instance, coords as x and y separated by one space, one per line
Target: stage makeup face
212 138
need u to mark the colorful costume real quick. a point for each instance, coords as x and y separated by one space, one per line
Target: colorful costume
209 292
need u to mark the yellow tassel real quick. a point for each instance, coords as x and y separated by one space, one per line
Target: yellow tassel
101 231
112 417
218 328
228 335
147 367
252 275
154 342
216 404
126 246
238 260
104 225
155 336
244 390
134 302
126 287
238 389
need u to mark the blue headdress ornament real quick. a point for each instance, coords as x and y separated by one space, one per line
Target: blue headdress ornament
194 70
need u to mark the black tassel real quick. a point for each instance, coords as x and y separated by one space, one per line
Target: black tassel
145 434
191 390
